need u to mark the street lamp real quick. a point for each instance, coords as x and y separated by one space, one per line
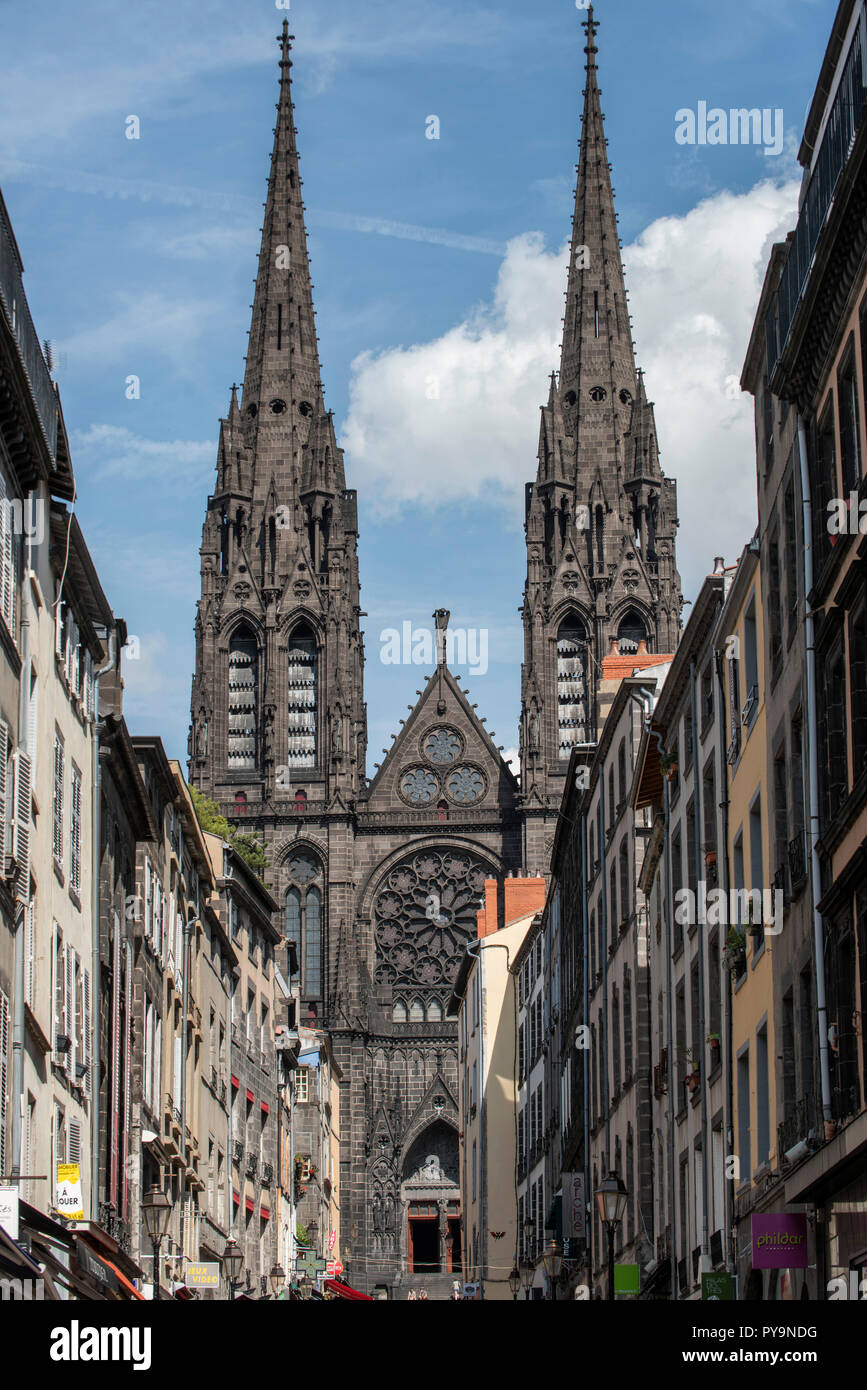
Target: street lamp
514 1282
233 1258
611 1197
157 1211
552 1260
278 1278
306 1284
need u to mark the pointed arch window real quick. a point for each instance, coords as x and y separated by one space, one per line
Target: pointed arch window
241 743
303 920
398 1011
434 1011
303 702
631 629
416 1011
571 685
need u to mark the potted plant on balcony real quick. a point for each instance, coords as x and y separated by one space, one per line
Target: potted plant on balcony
693 1078
736 950
713 1042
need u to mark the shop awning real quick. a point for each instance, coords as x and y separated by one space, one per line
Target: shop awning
345 1291
115 1280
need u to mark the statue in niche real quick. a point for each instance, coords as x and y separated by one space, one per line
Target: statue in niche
337 734
533 731
201 737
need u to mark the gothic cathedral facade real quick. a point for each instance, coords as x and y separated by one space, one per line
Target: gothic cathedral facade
379 881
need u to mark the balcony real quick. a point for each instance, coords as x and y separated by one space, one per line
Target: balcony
267 1174
18 315
681 1276
238 1151
842 126
252 1165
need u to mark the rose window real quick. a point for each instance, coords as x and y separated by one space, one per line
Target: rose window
424 915
442 746
465 784
418 786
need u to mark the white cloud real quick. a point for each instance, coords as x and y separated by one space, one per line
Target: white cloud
113 451
156 688
141 325
457 417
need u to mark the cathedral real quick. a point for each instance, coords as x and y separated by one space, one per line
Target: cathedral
379 881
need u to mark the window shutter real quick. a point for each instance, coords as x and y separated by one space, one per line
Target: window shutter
58 629
4 1077
33 720
7 584
4 817
176 1076
73 1140
86 1036
158 1064
23 812
88 686
147 895
68 1014
29 950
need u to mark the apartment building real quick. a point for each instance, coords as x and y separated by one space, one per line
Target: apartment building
679 781
484 999
753 930
815 334
246 911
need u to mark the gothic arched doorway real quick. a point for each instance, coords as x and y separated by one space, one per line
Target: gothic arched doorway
431 1197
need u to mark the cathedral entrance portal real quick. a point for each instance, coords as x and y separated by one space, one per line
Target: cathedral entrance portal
431 1199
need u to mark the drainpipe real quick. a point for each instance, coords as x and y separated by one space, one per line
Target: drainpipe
812 743
724 879
96 897
21 909
706 1156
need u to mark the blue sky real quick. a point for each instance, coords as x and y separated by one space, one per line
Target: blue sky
431 259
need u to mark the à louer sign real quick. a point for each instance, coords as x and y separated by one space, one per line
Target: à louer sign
779 1241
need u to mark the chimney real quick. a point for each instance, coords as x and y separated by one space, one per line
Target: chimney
719 564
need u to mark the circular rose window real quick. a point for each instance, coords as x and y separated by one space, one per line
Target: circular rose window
442 746
418 786
466 785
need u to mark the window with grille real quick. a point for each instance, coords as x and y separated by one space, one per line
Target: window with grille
243 700
58 798
302 703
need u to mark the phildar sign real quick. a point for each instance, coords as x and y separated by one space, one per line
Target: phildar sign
779 1241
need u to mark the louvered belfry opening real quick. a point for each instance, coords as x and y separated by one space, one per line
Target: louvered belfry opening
301 751
572 694
243 700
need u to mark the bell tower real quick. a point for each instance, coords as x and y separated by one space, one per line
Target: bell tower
277 715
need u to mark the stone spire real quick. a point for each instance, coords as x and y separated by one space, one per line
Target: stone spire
282 379
597 354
